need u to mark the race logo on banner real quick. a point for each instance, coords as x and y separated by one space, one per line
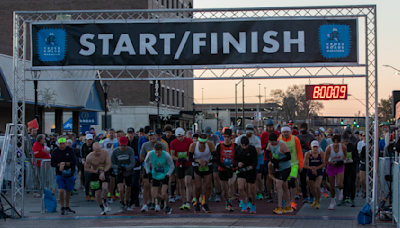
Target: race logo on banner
335 40
52 44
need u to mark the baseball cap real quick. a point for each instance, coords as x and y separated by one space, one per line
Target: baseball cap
123 140
272 137
244 141
217 133
147 129
179 132
89 136
131 130
322 129
158 131
207 131
227 132
249 128
317 132
141 130
314 143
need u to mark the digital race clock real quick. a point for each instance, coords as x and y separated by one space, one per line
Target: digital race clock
326 92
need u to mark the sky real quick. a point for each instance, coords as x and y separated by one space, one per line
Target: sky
388 17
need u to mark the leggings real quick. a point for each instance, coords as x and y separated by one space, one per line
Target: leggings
350 182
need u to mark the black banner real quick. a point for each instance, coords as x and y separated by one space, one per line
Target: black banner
200 43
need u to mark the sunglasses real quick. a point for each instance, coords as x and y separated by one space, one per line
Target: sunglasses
316 135
152 133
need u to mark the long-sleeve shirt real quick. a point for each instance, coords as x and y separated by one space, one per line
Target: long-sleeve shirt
248 158
123 158
299 151
168 159
39 152
67 155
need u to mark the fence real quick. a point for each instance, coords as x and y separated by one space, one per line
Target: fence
48 179
396 192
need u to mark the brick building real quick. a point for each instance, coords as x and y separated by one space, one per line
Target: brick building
137 97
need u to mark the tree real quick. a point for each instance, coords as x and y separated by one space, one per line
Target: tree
294 104
385 109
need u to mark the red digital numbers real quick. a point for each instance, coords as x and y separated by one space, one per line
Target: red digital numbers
326 92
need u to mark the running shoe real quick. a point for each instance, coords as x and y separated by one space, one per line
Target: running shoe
92 198
197 210
194 201
249 205
168 210
121 209
305 200
278 211
203 200
230 207
353 204
244 207
317 206
325 195
178 198
157 208
187 206
67 209
217 198
87 197
253 209
211 198
63 211
311 199
314 204
110 200
182 207
341 203
145 208
288 210
103 212
332 205
260 197
152 206
270 200
347 200
107 208
171 199
226 206
297 197
206 209
293 205
130 207
241 203
257 196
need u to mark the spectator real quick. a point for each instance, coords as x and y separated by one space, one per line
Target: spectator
39 150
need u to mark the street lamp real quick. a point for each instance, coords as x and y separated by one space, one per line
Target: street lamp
106 88
396 73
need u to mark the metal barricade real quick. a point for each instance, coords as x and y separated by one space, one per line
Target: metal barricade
396 192
383 170
48 180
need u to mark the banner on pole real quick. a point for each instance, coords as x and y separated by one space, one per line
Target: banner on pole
194 43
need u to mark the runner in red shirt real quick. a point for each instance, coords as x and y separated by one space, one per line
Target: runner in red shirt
184 169
267 157
39 150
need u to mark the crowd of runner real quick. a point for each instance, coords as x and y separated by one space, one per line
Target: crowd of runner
232 164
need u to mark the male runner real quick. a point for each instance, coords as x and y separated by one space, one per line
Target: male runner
169 137
246 161
280 161
296 161
217 185
108 144
123 162
184 169
98 166
202 154
267 157
63 159
160 164
227 171
147 147
86 149
135 189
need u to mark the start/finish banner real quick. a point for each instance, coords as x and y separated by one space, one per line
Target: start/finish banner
195 43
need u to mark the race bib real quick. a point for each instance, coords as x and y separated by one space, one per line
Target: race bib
275 156
182 155
94 185
66 173
350 155
159 169
227 162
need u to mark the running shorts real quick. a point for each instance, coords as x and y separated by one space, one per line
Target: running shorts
363 167
158 183
261 169
224 175
334 170
181 172
282 175
313 177
128 180
65 183
95 177
215 167
249 175
202 173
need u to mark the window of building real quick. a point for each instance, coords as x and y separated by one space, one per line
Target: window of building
162 95
167 96
167 5
177 98
173 4
183 99
162 2
173 98
152 92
